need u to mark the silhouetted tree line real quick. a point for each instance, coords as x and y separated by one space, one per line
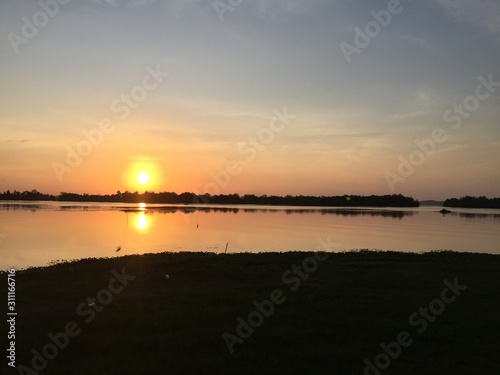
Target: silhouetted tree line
32 195
473 202
187 198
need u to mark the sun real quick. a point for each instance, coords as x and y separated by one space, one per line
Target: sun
143 173
142 178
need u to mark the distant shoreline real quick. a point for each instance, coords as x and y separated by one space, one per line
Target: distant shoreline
221 199
189 198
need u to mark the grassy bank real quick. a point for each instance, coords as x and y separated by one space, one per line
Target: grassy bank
328 317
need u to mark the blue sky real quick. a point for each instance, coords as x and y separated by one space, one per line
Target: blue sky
354 120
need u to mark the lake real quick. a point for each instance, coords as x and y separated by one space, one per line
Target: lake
37 233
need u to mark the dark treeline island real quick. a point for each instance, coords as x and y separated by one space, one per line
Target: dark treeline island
190 198
473 202
394 200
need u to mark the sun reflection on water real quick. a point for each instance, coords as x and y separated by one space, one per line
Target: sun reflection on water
142 221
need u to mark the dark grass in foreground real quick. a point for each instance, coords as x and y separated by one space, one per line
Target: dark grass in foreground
335 319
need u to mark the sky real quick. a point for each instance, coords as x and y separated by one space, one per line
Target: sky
258 97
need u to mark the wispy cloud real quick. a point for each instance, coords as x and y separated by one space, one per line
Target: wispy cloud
453 147
124 2
270 9
417 41
407 115
177 6
325 136
482 13
273 8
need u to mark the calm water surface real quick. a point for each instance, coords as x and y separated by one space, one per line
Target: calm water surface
36 233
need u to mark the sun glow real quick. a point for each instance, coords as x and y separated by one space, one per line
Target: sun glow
143 173
142 178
